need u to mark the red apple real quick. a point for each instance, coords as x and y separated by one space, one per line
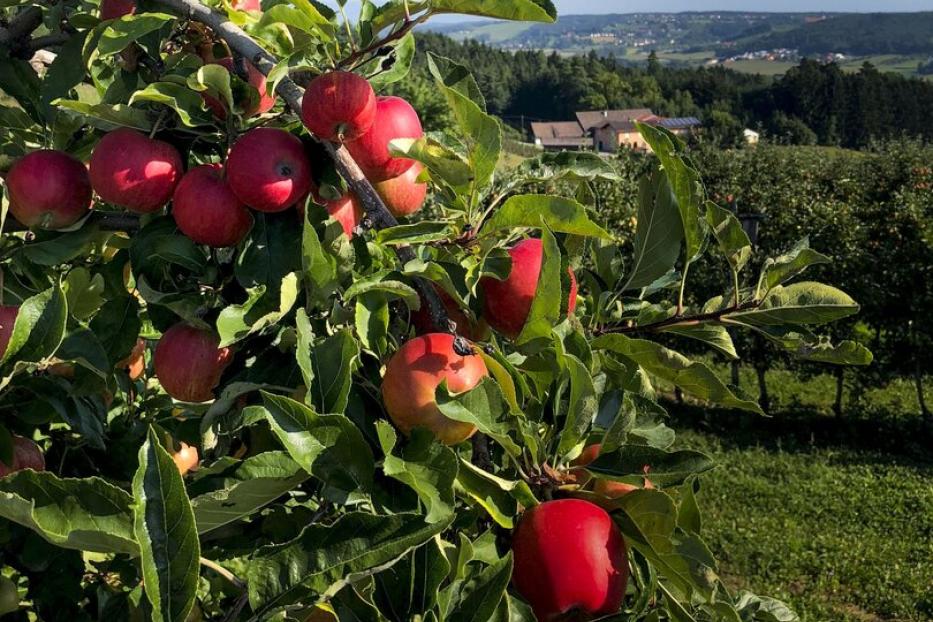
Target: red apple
395 118
115 9
246 5
186 458
189 363
256 79
339 106
412 377
421 319
207 211
131 170
26 455
404 195
8 315
570 559
268 169
508 302
48 189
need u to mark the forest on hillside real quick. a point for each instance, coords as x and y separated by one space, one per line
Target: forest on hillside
813 103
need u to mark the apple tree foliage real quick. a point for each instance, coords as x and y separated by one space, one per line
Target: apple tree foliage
308 502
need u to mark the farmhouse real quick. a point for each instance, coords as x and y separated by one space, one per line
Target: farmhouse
606 131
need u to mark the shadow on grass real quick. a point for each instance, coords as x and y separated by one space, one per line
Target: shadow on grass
800 431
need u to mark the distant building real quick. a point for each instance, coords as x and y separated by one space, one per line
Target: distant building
560 136
606 131
751 137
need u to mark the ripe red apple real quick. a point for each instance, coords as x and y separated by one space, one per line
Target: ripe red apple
26 455
134 171
412 377
268 169
256 79
421 319
186 458
48 189
246 5
395 118
339 106
115 9
189 363
508 302
570 559
207 211
404 195
8 315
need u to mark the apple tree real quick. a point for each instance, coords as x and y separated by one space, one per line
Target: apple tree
269 351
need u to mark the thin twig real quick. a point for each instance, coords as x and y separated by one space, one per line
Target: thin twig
679 320
223 572
354 59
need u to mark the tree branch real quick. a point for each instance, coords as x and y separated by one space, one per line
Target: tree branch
353 59
375 209
107 221
679 320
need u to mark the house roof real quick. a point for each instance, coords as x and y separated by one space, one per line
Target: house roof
597 118
560 129
671 124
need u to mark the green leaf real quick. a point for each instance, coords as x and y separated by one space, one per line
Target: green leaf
318 266
117 326
582 404
416 233
805 345
186 103
427 467
684 181
59 248
324 558
484 407
781 269
478 599
659 232
214 80
548 301
244 488
270 252
664 468
65 72
107 116
372 321
480 132
693 377
541 211
83 292
799 303
404 55
79 514
516 10
713 335
167 534
128 29
410 587
329 447
39 327
332 361
444 163
19 80
261 310
388 287
498 496
732 239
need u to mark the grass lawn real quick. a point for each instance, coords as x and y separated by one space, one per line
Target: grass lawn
806 508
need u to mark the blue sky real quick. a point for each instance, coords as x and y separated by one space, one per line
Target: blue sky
569 7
